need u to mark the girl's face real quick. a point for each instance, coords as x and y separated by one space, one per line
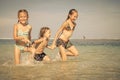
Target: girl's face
47 34
23 17
73 16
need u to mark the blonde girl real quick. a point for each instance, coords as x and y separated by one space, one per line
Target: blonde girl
41 43
22 35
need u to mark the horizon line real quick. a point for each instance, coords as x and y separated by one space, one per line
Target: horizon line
76 38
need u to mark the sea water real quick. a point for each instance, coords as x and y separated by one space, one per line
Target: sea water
97 60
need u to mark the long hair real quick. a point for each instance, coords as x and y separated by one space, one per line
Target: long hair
42 31
71 11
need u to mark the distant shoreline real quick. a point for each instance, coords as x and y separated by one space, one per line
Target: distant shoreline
77 42
78 39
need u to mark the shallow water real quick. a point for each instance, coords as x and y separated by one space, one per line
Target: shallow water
96 61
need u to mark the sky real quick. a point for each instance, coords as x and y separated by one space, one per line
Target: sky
98 19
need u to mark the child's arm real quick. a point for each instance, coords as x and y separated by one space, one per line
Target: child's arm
49 47
57 35
26 40
19 38
30 33
37 41
15 34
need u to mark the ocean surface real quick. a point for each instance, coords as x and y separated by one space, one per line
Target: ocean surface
97 60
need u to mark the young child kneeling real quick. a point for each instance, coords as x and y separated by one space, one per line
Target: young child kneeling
41 43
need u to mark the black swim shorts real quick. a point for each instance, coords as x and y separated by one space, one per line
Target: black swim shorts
39 57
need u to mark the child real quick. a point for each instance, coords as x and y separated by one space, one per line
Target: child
41 43
63 34
22 35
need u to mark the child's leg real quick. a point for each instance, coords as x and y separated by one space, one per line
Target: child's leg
62 53
46 58
72 51
17 55
32 51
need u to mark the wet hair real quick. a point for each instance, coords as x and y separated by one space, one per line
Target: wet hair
42 31
71 11
23 10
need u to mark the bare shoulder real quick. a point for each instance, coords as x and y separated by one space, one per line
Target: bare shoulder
29 26
65 23
16 26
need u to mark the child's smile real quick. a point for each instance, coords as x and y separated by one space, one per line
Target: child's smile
23 18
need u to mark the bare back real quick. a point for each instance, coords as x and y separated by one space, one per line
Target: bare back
41 45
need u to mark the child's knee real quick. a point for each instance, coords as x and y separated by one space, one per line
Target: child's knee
46 58
76 53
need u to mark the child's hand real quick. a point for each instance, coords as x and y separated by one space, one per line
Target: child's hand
52 46
21 37
26 40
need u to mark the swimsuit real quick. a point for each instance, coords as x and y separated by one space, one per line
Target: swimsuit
24 34
63 43
39 57
68 28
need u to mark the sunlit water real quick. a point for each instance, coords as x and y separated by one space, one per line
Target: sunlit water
97 60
